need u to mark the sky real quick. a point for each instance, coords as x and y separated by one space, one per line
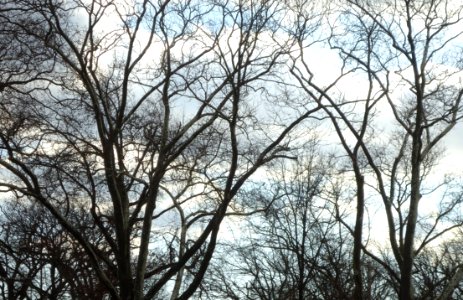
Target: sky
325 64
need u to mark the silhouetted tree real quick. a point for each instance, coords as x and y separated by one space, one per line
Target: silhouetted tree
403 52
143 112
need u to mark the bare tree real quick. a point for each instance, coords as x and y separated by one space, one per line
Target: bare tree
143 112
436 268
18 269
41 260
295 249
404 50
151 121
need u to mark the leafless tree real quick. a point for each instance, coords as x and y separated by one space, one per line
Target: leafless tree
405 52
154 121
435 269
145 113
41 260
297 249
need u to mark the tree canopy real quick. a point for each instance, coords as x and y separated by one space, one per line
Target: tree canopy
230 149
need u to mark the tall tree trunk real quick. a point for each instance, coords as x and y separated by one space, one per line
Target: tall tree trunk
358 232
